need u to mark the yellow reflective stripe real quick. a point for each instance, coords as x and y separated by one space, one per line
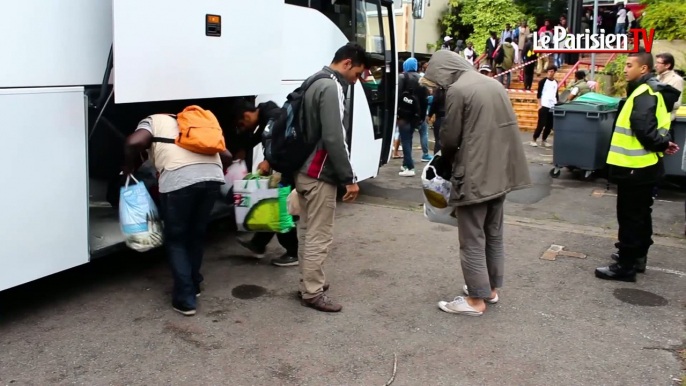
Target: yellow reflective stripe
630 152
624 130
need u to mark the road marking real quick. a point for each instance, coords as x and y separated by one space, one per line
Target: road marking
547 225
667 270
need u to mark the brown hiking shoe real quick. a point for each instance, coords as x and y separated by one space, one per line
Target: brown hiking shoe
326 288
322 303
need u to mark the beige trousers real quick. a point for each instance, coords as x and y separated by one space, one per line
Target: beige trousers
315 231
542 65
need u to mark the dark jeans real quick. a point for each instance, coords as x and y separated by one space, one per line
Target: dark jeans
529 75
634 215
437 134
287 240
406 131
545 120
186 213
501 78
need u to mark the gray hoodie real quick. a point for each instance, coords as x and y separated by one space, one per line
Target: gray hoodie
479 135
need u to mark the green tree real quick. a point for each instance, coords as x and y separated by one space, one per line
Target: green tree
490 15
542 10
666 17
450 24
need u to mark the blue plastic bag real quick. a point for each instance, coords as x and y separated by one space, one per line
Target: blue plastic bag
138 217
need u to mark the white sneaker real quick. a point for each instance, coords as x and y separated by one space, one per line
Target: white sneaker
489 301
546 144
407 173
459 306
533 144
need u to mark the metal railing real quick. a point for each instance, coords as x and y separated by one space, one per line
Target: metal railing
563 82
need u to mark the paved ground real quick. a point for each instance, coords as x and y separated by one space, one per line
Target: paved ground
109 323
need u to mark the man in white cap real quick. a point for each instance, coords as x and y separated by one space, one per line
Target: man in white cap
446 43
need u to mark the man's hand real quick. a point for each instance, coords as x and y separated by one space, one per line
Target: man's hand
351 192
673 148
264 168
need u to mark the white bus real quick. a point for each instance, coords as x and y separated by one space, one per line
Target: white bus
69 63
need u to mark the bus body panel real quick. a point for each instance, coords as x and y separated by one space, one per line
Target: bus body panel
49 43
162 51
44 199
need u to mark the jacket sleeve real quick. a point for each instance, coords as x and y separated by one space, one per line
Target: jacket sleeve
333 132
423 101
451 130
644 123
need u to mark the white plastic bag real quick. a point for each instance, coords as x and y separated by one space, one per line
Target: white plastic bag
436 198
138 217
259 208
293 203
237 171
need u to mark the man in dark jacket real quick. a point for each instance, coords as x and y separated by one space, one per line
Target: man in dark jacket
640 138
437 110
324 111
253 120
407 123
491 45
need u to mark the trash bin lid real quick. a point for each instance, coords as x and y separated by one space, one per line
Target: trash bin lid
585 106
599 98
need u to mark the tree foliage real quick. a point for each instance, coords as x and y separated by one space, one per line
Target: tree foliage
542 10
487 16
666 17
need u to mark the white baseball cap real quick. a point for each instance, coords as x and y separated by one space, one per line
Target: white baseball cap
447 39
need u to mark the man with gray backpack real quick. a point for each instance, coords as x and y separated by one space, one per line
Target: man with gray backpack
413 104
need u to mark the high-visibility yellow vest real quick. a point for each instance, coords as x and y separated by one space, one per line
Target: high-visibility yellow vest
625 149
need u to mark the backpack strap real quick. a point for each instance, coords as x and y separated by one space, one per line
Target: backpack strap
163 140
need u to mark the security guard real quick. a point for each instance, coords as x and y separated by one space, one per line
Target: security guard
640 138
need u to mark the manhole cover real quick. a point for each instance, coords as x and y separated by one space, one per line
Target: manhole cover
248 291
639 297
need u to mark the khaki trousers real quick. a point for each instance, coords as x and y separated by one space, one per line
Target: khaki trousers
481 246
542 65
315 231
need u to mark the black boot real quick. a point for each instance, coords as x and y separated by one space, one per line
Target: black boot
640 263
616 272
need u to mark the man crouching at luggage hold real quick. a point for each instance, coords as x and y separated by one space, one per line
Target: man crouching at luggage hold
482 148
329 165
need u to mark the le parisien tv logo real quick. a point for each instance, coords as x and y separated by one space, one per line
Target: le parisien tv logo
559 41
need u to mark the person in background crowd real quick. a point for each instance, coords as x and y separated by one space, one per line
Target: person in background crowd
543 60
630 19
547 98
422 67
560 57
491 46
396 134
485 69
189 186
327 167
664 66
437 111
254 119
405 125
620 27
507 33
485 159
459 45
529 55
580 86
469 53
507 55
524 32
635 161
446 43
607 19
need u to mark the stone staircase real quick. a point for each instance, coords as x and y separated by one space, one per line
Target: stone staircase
525 103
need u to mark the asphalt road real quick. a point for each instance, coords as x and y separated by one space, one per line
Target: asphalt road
110 322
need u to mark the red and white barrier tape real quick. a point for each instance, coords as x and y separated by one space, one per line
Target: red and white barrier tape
520 66
519 90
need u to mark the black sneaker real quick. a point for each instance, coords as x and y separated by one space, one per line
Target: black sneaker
185 311
285 261
259 252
